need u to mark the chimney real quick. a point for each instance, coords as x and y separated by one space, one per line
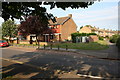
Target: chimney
70 15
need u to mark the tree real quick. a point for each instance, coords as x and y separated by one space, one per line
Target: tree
33 25
9 29
0 32
20 9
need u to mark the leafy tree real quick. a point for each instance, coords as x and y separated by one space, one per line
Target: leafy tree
0 32
34 25
9 29
81 27
20 9
88 26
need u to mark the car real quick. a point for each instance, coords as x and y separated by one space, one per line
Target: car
3 43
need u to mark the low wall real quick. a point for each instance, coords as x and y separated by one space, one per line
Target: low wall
27 42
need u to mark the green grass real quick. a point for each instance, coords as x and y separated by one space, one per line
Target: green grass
99 45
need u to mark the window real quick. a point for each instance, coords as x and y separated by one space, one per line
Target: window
51 36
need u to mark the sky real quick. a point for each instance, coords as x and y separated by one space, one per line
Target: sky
103 14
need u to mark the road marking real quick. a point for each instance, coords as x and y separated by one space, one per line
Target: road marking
30 65
14 61
96 77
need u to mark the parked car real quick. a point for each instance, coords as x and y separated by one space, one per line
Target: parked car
3 43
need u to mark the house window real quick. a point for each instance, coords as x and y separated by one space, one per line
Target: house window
51 36
22 37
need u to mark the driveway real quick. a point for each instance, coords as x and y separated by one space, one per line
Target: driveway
56 64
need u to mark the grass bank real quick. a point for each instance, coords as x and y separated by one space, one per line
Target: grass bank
99 45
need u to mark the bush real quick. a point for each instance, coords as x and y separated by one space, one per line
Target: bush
118 42
101 38
114 38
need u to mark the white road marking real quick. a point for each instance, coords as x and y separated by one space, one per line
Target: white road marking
15 61
96 77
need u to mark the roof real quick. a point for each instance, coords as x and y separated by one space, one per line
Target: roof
102 30
59 21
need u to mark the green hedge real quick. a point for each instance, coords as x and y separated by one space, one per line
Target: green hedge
74 35
101 38
118 42
114 38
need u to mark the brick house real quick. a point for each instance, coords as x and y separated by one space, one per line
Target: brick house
61 30
100 32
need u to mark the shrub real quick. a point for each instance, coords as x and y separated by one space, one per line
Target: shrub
114 38
118 42
101 38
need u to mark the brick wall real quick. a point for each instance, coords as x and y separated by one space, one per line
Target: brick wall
67 29
93 38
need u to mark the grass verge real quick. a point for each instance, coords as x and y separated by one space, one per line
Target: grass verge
99 45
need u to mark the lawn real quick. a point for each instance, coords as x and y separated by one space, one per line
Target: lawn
99 45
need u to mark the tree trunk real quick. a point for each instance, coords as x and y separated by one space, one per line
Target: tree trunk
37 41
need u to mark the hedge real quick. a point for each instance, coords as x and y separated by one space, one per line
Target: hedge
101 38
74 35
114 38
118 42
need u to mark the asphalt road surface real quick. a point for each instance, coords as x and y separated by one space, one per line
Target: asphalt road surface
21 63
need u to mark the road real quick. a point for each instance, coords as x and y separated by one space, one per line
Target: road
22 63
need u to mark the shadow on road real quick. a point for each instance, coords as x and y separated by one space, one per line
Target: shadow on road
53 64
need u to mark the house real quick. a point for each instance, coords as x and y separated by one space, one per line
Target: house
61 30
100 32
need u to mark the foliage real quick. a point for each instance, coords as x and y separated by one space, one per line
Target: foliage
118 42
81 27
88 26
33 25
20 9
74 35
114 38
0 32
9 29
101 38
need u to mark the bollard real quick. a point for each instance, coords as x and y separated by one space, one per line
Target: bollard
44 46
51 46
66 47
58 47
